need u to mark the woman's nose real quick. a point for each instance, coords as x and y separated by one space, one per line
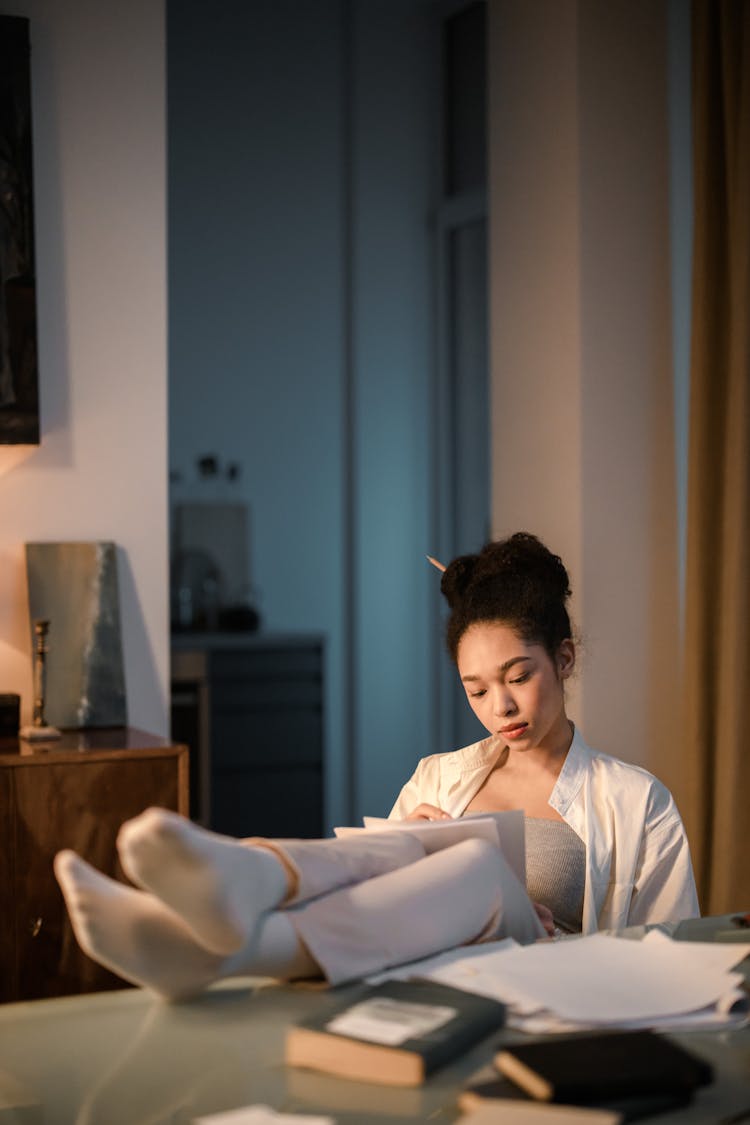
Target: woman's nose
504 703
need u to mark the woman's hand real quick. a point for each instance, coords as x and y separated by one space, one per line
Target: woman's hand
428 812
544 915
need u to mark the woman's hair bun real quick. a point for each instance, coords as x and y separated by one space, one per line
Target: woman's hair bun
457 577
517 581
523 555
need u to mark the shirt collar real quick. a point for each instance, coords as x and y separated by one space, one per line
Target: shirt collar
481 754
572 774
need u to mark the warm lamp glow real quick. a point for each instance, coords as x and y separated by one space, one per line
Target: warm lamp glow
15 673
15 635
10 652
13 455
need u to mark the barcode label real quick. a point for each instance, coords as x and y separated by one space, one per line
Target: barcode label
390 1022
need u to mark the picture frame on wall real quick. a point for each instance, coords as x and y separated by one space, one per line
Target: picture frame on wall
19 375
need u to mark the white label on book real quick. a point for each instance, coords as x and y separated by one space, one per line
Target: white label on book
381 1020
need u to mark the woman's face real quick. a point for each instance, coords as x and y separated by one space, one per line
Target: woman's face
513 687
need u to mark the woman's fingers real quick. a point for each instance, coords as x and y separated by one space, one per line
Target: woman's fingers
428 812
545 917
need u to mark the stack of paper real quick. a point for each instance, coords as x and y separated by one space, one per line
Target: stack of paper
601 981
504 829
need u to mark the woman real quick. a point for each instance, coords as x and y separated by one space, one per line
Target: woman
205 907
606 847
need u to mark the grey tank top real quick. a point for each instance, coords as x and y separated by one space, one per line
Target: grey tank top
556 870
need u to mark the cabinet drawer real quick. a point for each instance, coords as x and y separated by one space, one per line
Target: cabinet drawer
266 693
268 803
259 729
60 801
273 663
273 737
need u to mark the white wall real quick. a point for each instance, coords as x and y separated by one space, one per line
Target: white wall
98 75
535 299
583 406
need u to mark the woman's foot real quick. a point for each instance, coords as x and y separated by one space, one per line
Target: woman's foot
132 933
221 888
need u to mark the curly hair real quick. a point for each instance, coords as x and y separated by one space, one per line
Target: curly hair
518 581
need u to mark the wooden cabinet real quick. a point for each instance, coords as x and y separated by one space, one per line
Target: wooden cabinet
72 792
251 710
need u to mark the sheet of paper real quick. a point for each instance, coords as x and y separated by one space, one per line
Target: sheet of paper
511 830
260 1115
503 828
426 966
624 980
435 834
487 977
712 1019
473 968
603 981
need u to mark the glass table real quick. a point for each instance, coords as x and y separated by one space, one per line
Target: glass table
125 1058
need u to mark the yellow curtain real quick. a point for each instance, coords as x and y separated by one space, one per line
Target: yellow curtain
717 657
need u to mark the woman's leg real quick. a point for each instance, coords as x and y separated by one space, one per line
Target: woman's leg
463 894
136 936
221 886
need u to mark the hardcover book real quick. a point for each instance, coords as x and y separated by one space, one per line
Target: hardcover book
537 1113
506 1097
595 1069
394 1033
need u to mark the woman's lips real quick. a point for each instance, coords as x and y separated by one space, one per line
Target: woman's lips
513 730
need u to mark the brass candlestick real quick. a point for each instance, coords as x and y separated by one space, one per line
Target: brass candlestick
39 729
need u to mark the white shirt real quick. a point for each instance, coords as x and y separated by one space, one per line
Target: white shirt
638 866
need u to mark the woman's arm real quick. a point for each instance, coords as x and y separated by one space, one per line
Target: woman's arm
420 790
664 883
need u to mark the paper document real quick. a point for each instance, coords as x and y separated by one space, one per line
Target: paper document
431 966
505 829
603 981
260 1115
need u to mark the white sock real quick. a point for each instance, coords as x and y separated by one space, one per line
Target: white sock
131 932
136 936
219 886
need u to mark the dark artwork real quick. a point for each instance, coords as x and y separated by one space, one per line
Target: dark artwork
19 393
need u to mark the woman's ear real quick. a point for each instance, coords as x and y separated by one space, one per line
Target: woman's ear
566 659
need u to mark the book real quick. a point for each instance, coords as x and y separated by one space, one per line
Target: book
502 1094
505 829
588 1069
394 1033
512 1112
311 1091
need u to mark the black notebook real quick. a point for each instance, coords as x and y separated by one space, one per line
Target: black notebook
496 1091
596 1069
394 1033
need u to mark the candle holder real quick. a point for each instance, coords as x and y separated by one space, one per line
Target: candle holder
39 728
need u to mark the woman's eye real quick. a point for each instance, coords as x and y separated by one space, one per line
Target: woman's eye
521 679
477 694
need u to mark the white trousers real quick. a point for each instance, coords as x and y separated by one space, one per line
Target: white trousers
365 903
